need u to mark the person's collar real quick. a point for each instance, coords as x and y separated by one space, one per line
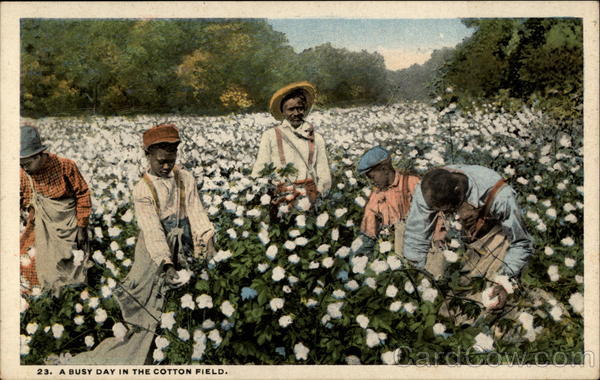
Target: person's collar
305 130
395 182
153 176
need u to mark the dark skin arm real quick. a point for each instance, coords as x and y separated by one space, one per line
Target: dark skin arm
82 240
502 295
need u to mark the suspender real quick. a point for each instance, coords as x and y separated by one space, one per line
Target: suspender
180 187
483 215
311 148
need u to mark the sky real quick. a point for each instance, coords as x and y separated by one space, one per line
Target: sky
401 42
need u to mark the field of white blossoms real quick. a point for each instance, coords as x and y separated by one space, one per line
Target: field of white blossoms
295 291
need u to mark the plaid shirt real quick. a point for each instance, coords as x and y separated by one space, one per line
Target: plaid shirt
59 178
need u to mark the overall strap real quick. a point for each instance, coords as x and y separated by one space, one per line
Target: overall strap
489 199
405 196
280 146
152 191
311 152
181 188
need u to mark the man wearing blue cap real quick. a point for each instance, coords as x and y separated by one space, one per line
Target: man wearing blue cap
58 202
390 199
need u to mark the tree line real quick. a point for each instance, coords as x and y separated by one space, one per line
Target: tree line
212 66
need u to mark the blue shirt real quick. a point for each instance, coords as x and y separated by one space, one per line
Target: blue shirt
421 219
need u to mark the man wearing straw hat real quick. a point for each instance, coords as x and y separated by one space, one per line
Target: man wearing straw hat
57 198
295 141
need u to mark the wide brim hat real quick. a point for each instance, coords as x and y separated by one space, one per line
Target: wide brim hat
31 143
162 133
275 104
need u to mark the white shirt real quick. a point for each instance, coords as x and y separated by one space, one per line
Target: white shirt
296 151
168 198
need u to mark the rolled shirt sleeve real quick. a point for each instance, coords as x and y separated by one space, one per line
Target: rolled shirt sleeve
506 209
420 225
263 156
322 166
202 229
149 223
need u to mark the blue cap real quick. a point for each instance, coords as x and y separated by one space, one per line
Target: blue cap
371 158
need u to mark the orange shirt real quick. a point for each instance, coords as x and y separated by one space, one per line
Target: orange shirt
386 207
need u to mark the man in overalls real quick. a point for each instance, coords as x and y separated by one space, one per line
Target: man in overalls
389 201
174 228
57 198
295 141
491 225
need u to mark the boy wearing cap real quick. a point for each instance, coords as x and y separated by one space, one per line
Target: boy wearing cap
295 141
390 199
57 198
173 228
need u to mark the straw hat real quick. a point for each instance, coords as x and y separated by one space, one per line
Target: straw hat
275 104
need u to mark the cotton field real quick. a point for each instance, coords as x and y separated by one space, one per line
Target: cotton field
295 291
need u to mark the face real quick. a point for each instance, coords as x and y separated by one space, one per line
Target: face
293 109
162 160
382 176
33 164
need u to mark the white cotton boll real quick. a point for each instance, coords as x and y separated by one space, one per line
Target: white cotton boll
370 282
301 351
263 236
454 243
278 273
394 262
31 328
556 313
522 181
167 320
276 303
483 343
313 265
576 302
57 330
339 294
531 198
571 218
335 234
541 226
265 199
232 234
356 244
439 329
119 255
294 233
568 207
323 248
262 267
222 256
429 294
579 279
286 289
208 324
254 213
289 245
98 233
183 334
93 302
227 309
114 246
99 257
301 241
334 310
303 204
294 259
548 251
410 307
212 210
551 212
546 203
553 273
362 320
114 232
318 290
300 221
327 262
342 252
379 266
395 306
567 242
385 246
509 171
89 341
79 320
352 360
100 315
391 291
311 302
372 338
360 201
126 263
340 212
285 321
486 297
450 256
271 252
408 287
187 302
158 355
322 219
569 262
119 331
351 285
238 222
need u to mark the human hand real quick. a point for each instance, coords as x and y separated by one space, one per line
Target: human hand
210 249
502 295
467 214
171 274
